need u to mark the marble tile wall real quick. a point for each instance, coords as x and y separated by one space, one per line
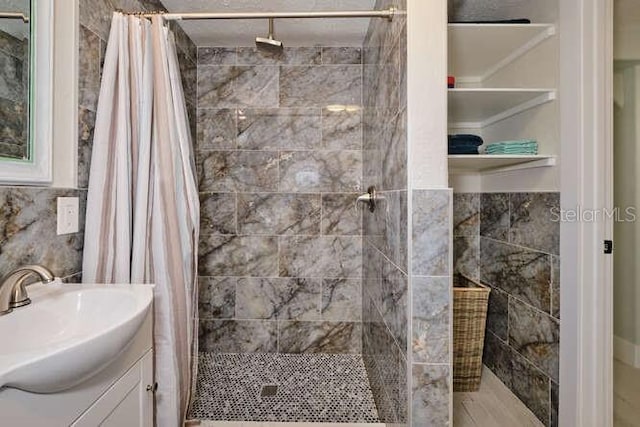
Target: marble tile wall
510 242
385 294
14 96
279 158
431 300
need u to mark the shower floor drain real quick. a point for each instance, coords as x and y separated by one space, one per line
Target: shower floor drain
269 390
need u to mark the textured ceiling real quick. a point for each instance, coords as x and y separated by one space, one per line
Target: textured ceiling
293 32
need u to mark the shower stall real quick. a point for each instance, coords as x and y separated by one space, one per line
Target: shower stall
313 307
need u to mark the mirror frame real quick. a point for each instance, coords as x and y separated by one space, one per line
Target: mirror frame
37 170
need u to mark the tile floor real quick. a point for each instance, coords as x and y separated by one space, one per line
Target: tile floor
494 405
312 388
626 395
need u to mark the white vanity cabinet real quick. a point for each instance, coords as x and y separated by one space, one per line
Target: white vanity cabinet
120 395
129 402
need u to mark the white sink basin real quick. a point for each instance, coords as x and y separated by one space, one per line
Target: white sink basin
68 333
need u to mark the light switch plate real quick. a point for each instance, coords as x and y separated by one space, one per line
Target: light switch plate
68 213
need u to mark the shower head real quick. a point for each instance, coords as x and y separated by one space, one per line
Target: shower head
270 44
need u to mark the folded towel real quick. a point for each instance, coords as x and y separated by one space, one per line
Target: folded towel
463 150
465 140
526 146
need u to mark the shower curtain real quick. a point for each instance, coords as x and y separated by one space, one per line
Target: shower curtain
142 208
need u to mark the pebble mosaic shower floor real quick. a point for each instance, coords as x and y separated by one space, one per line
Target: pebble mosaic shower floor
323 388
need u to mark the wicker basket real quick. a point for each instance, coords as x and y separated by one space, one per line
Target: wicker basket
470 301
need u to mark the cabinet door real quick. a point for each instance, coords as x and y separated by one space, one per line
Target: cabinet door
127 403
146 390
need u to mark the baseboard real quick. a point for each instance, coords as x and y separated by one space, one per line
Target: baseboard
626 352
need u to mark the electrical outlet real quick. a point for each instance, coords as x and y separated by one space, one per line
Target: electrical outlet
68 212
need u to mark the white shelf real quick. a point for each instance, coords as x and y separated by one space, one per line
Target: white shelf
477 51
485 163
480 107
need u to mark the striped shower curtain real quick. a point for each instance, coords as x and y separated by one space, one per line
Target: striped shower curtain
142 208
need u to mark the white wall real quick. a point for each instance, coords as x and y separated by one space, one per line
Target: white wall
427 94
627 170
65 94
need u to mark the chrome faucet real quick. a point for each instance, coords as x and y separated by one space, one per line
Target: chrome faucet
13 292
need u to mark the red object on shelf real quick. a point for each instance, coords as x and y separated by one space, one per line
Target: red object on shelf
451 82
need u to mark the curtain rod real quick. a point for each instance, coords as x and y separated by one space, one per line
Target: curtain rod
14 15
388 14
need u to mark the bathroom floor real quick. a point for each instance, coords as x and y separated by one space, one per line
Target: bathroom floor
493 405
319 388
626 395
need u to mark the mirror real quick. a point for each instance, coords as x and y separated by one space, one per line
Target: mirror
25 91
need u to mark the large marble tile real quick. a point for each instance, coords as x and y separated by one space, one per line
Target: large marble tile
394 290
320 86
217 213
386 228
497 356
466 256
536 336
555 405
328 257
466 214
252 256
86 127
340 216
319 337
430 395
289 56
529 384
532 388
342 130
278 299
189 77
373 269
555 287
532 221
498 314
494 215
96 15
279 214
341 55
520 272
238 336
184 43
394 151
387 371
224 171
216 129
217 56
431 304
320 171
28 231
431 235
237 86
342 300
279 128
88 69
216 297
